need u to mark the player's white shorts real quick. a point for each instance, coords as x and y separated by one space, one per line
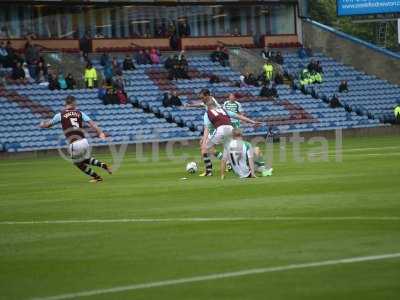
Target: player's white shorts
221 135
79 150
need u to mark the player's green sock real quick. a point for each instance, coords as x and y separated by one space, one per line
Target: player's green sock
218 155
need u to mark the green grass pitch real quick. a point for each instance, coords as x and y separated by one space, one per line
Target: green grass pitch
313 199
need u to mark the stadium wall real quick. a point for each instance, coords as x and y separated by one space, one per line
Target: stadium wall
352 51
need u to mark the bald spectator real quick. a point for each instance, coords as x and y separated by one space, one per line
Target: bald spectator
343 87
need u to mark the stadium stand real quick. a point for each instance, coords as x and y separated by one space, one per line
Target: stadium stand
149 120
367 95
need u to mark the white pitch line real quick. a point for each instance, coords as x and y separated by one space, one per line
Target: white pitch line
216 219
217 276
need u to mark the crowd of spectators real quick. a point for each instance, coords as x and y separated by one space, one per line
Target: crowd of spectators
112 92
312 74
271 56
172 100
31 67
177 66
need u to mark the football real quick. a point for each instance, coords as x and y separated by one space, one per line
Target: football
191 167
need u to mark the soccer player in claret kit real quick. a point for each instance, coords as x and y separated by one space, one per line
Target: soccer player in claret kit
220 119
72 120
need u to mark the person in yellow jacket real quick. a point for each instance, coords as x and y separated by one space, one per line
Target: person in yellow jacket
317 77
397 112
268 70
90 76
305 78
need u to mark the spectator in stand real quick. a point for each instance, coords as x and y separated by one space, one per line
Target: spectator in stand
174 41
41 67
165 100
170 101
110 97
220 55
3 54
141 58
28 76
147 56
118 82
302 53
108 71
173 35
250 79
279 79
128 64
90 76
104 59
41 78
154 57
316 77
312 66
343 87
62 83
71 82
169 62
269 91
184 29
183 67
102 90
241 80
18 73
315 72
175 100
12 56
85 44
116 67
177 67
305 78
52 79
334 102
268 70
396 111
279 58
267 53
318 67
122 96
32 56
171 65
